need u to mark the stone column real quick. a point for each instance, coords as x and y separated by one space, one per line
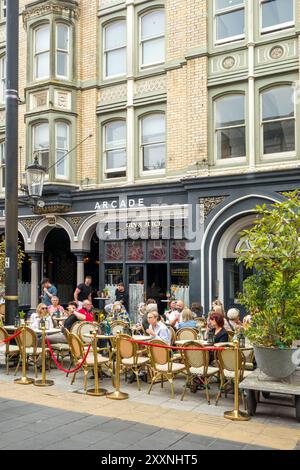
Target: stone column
80 267
35 280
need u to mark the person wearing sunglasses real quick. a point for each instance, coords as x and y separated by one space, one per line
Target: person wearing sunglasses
41 313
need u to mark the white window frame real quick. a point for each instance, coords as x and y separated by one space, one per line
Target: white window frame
35 54
3 5
278 27
36 151
64 51
2 79
278 155
2 165
236 160
66 150
141 42
107 51
105 151
237 37
161 171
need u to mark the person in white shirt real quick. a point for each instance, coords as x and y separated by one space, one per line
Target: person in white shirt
176 316
157 329
41 312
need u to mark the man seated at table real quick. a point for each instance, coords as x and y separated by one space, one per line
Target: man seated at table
176 316
157 329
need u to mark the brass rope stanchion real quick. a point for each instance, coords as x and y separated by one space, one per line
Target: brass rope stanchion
96 392
236 414
117 394
43 382
24 380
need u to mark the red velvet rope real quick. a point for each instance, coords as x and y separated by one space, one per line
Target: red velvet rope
58 364
7 340
177 348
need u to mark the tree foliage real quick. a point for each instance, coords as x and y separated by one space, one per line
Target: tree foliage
21 256
273 292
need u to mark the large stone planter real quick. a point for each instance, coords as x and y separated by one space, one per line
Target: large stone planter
275 362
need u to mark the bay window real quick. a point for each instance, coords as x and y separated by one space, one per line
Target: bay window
41 143
2 79
61 149
42 52
62 50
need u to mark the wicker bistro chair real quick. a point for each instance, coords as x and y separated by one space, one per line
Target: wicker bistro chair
163 366
131 358
78 352
172 333
10 351
62 350
226 361
201 322
33 352
75 327
197 367
119 326
186 334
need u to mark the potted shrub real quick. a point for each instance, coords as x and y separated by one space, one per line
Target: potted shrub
272 294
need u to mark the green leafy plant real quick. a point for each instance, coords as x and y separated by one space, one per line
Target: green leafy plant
272 294
22 315
21 256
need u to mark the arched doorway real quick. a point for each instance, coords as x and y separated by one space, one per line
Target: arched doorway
59 263
231 274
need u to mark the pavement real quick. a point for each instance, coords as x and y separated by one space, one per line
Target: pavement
63 417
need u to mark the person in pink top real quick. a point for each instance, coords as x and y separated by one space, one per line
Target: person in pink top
55 309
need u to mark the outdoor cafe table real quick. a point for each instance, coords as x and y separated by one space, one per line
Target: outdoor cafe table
51 331
206 344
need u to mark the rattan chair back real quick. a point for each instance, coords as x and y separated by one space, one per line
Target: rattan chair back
30 338
4 335
195 359
172 334
85 328
159 356
127 349
76 346
186 334
118 326
201 322
226 359
74 328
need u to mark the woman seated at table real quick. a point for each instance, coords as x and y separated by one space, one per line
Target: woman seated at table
217 324
56 309
187 320
41 314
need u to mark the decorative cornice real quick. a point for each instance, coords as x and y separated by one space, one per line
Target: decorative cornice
54 208
46 7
